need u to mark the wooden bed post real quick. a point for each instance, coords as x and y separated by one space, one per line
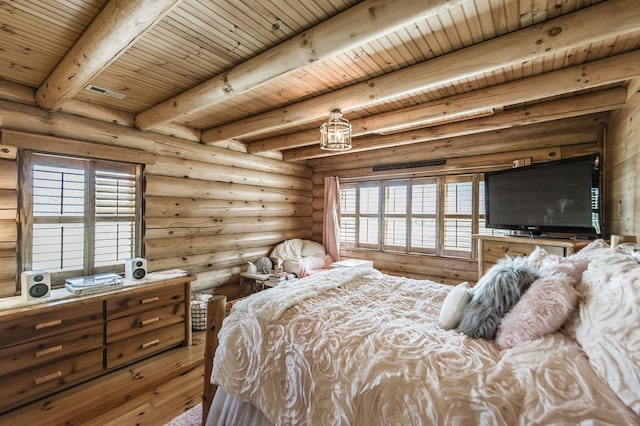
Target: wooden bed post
216 307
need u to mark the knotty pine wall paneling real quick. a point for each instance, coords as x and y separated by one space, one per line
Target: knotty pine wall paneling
207 209
211 219
622 167
8 224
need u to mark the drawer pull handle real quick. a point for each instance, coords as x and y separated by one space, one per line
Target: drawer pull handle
151 343
48 351
48 377
150 300
42 325
150 321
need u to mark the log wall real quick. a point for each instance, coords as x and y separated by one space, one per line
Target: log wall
207 209
622 167
467 154
8 225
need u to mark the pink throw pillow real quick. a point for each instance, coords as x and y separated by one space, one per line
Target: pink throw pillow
551 264
543 309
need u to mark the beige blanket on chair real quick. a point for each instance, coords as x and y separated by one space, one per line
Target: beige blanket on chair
300 257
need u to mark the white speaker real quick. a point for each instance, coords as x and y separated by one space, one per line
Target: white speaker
35 284
135 269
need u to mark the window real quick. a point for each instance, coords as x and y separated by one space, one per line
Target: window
424 230
435 215
368 208
396 199
81 217
458 215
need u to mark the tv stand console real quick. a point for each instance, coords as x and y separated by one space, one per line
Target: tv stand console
492 248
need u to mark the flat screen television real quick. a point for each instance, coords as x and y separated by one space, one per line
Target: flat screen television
552 197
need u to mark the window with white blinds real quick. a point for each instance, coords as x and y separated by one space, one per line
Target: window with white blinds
458 216
368 208
396 204
424 229
348 215
435 215
81 216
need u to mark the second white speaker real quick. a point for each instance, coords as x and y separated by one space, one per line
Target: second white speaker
135 269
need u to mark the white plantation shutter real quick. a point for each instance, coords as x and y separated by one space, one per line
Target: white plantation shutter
396 203
348 215
369 216
458 211
424 229
80 216
426 215
115 215
58 216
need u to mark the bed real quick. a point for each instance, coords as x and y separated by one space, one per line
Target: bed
355 346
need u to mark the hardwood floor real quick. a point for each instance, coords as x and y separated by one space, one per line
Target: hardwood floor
149 392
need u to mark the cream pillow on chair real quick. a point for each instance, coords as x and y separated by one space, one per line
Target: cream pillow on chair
453 305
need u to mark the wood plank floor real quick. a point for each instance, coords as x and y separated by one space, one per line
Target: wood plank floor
149 392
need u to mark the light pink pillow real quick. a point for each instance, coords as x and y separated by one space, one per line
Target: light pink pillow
543 309
548 303
550 264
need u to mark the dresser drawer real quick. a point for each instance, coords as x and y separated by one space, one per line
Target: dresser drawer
30 384
43 323
142 345
121 328
31 354
135 302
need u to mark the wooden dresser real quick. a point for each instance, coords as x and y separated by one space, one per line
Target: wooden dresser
493 248
49 346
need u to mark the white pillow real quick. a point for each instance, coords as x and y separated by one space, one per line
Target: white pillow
453 305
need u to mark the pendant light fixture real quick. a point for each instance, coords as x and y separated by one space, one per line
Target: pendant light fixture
335 133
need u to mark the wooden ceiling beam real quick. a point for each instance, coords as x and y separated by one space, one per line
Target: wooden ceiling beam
74 147
476 163
15 92
575 106
578 130
581 77
596 23
117 26
358 25
25 95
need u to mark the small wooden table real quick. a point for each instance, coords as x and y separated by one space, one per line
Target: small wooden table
256 280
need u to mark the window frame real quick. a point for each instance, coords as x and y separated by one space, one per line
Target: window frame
473 215
27 160
369 185
434 216
386 185
439 214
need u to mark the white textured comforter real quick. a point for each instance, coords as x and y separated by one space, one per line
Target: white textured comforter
368 351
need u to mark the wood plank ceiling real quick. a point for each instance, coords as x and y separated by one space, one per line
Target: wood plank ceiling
262 75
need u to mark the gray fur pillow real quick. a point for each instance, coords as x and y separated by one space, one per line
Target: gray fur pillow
494 294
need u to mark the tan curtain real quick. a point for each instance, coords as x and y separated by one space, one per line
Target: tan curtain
331 223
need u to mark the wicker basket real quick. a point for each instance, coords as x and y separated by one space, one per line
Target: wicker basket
199 311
